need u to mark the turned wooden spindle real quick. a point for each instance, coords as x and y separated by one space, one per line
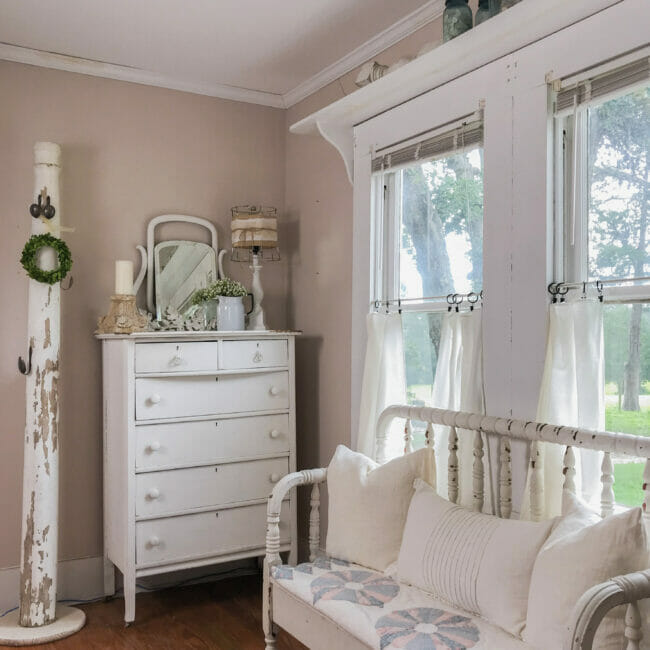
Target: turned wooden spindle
314 522
478 477
607 498
536 482
408 437
505 478
452 466
570 470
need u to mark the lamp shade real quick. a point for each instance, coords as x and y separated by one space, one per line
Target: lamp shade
254 226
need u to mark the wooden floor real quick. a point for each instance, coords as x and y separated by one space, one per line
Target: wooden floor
225 615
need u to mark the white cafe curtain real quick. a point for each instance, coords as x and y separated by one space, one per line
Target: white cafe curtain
572 394
384 381
458 386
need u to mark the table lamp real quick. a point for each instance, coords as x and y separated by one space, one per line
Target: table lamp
254 231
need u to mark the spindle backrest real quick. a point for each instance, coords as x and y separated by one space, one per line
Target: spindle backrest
507 430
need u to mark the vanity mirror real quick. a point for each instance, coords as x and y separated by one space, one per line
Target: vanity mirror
177 268
180 268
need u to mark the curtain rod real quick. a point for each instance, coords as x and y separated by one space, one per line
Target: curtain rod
560 289
452 299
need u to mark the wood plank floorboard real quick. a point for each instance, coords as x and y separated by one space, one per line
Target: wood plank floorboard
224 615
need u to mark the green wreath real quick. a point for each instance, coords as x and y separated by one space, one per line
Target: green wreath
28 258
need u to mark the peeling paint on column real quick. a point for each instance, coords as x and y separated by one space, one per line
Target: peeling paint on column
26 569
48 336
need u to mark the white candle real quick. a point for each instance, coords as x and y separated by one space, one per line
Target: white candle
124 277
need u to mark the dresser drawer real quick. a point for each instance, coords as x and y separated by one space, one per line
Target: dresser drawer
254 354
178 397
176 490
209 441
197 356
205 534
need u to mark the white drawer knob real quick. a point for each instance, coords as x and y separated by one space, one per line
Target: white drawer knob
154 541
153 493
153 446
177 360
258 357
154 399
274 390
274 434
274 477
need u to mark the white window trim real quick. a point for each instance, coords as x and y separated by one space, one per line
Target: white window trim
572 207
518 182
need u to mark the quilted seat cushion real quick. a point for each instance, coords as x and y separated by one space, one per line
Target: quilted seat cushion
385 614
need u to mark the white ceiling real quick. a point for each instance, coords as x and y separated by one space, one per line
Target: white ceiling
272 47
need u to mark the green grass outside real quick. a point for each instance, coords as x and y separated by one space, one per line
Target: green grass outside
628 482
636 422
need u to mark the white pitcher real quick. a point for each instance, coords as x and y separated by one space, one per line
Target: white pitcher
230 313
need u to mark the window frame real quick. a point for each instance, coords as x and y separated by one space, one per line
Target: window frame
571 188
386 233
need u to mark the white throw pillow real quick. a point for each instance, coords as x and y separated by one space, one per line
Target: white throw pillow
582 551
368 504
475 562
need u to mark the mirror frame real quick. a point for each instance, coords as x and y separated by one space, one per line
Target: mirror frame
151 244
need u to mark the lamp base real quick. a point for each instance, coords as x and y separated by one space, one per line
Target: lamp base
123 317
256 317
68 621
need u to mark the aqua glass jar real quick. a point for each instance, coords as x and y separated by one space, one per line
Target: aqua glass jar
483 12
456 20
486 9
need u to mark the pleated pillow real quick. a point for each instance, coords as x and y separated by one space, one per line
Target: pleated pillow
476 562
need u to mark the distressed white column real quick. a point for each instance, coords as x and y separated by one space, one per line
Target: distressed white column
38 620
41 460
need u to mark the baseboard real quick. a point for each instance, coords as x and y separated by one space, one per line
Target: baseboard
83 579
78 580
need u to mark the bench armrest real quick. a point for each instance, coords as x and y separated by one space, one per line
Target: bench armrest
306 477
597 602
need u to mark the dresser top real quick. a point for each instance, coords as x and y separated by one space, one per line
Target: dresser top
199 336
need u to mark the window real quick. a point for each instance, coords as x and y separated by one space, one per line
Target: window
429 241
604 124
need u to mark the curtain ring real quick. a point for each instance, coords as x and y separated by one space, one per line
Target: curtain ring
599 287
450 300
562 291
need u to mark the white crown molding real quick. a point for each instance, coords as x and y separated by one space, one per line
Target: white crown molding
134 75
427 13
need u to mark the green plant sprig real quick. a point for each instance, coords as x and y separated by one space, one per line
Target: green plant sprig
225 287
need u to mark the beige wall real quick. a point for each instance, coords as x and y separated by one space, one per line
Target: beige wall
319 208
130 152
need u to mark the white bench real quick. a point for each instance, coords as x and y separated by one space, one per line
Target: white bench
283 607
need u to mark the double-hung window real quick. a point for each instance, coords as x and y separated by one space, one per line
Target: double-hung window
603 199
428 239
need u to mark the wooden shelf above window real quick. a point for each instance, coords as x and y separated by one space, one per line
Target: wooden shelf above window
525 23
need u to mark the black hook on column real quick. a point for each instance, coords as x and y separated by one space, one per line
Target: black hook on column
25 369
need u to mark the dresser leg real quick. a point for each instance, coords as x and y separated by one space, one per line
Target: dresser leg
129 600
109 578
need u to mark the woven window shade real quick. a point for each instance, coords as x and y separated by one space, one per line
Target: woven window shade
466 136
600 87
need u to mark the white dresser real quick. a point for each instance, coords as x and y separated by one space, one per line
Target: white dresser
197 429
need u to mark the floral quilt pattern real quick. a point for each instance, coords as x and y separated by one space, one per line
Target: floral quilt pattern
426 628
361 587
385 614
